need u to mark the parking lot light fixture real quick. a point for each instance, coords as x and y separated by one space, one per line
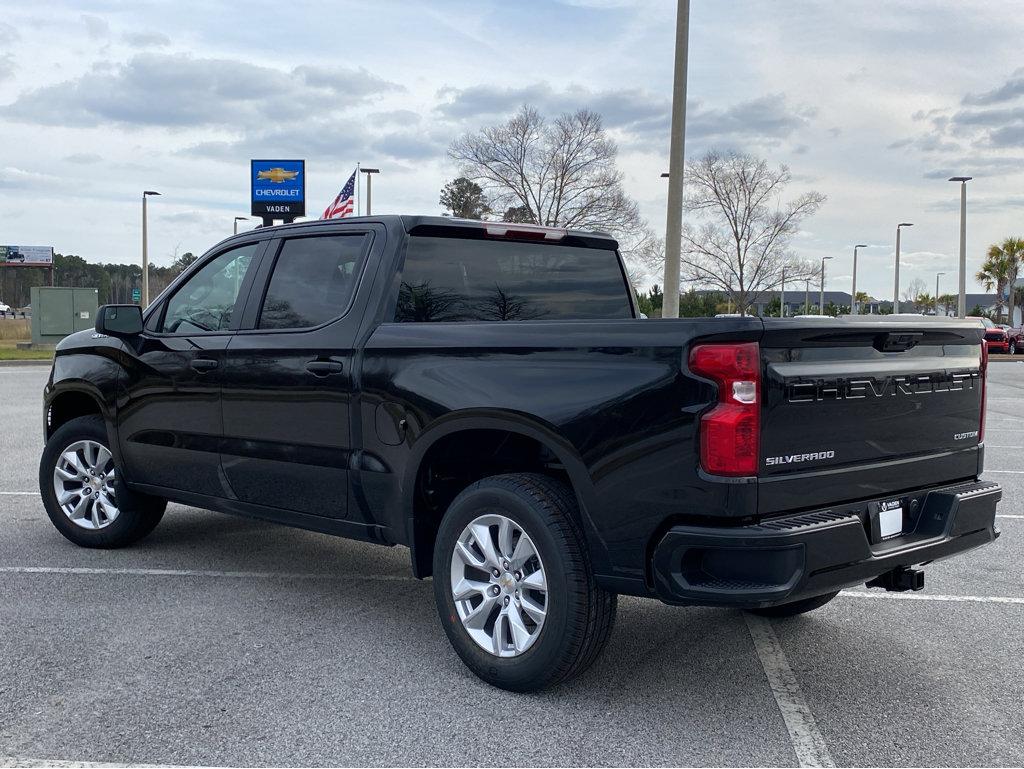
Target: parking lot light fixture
961 303
853 289
239 219
145 250
896 290
369 176
821 296
937 276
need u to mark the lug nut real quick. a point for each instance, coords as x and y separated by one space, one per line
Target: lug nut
495 590
506 600
505 565
519 576
494 572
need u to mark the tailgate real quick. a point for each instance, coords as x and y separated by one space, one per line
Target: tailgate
866 407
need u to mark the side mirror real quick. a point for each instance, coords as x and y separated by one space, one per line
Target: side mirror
119 320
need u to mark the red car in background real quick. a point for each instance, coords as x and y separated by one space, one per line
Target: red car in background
998 338
1015 339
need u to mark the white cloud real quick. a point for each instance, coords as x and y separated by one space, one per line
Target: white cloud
95 107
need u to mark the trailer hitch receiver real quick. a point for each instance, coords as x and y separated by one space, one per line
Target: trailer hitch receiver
899 580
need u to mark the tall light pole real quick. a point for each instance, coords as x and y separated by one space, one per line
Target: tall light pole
896 291
821 296
853 289
782 295
961 303
239 219
369 194
676 162
807 296
145 250
937 276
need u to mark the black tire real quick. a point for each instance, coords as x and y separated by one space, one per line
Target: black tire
579 614
138 513
794 608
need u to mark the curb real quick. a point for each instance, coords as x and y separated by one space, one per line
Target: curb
17 363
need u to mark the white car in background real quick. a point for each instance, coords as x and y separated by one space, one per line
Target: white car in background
4 307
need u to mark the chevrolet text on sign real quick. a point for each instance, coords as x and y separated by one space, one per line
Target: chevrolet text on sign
278 188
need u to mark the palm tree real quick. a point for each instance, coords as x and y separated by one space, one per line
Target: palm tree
947 301
862 300
994 273
1003 260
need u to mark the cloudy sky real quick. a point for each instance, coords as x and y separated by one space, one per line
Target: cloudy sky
874 104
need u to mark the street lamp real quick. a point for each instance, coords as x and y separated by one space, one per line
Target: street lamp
961 304
853 294
145 250
239 219
369 196
896 291
821 296
676 162
937 276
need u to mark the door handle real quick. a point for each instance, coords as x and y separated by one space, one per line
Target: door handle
324 367
203 364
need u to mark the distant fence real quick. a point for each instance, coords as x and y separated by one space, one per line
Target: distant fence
14 314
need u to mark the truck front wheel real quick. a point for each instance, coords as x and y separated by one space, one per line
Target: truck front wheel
513 583
83 491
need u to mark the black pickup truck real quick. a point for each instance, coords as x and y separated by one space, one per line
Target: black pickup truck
487 395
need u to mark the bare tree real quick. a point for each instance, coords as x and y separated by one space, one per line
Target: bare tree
740 241
560 173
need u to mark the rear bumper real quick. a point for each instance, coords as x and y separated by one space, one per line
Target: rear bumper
792 557
998 345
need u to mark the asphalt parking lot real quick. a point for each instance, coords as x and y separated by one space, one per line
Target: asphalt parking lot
224 641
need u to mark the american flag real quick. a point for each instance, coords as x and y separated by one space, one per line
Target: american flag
342 205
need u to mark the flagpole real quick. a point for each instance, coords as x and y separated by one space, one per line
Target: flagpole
359 193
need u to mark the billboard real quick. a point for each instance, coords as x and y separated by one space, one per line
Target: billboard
278 188
38 255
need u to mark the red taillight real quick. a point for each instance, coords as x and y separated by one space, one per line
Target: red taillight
984 377
730 432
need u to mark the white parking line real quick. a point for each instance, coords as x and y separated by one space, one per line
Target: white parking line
804 735
933 597
87 570
19 493
1009 472
10 761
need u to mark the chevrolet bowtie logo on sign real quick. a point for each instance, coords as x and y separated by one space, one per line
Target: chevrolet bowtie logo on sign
278 189
277 175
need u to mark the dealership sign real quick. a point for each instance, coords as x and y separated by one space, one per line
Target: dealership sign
27 255
278 188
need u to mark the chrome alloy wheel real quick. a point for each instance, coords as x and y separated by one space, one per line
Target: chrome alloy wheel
499 587
83 482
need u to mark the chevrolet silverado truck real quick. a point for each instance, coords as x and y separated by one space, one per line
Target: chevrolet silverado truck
487 395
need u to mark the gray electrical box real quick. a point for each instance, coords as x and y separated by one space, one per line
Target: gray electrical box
57 312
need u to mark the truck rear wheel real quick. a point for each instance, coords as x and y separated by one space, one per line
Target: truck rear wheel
513 583
84 494
796 607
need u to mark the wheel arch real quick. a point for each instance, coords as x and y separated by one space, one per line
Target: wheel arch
68 401
518 443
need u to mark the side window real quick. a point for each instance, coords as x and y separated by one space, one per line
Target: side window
312 281
206 301
454 279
